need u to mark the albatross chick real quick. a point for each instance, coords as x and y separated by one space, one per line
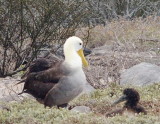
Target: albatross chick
131 106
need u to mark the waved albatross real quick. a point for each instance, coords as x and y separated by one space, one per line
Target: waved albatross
57 83
132 97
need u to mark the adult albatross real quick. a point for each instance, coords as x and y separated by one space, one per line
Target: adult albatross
57 83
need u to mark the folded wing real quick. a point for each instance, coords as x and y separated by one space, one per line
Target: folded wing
43 75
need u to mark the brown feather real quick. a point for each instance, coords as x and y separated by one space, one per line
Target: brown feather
131 105
42 77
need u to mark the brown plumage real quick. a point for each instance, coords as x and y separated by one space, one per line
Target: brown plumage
58 82
131 96
42 77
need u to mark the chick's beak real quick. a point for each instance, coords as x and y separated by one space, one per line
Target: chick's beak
121 99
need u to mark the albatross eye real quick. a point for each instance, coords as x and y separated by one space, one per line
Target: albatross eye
80 43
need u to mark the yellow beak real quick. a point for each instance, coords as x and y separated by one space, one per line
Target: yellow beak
81 54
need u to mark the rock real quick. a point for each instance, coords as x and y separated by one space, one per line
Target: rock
10 98
9 90
81 109
102 50
87 51
141 74
15 97
107 63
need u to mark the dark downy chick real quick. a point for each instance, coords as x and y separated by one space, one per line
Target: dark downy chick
132 97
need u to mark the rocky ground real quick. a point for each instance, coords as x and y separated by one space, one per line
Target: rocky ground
107 66
106 73
128 56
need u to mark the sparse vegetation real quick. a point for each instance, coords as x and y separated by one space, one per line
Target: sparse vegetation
129 29
120 45
32 112
138 34
27 26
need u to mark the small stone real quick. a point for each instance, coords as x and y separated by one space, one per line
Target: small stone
102 82
81 109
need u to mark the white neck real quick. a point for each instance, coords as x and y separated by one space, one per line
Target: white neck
72 59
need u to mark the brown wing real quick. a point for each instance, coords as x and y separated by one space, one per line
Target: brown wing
41 64
38 89
42 77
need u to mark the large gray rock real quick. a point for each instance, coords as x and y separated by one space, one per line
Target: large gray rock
9 90
141 74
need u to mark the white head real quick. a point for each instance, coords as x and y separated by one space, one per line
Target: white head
73 52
